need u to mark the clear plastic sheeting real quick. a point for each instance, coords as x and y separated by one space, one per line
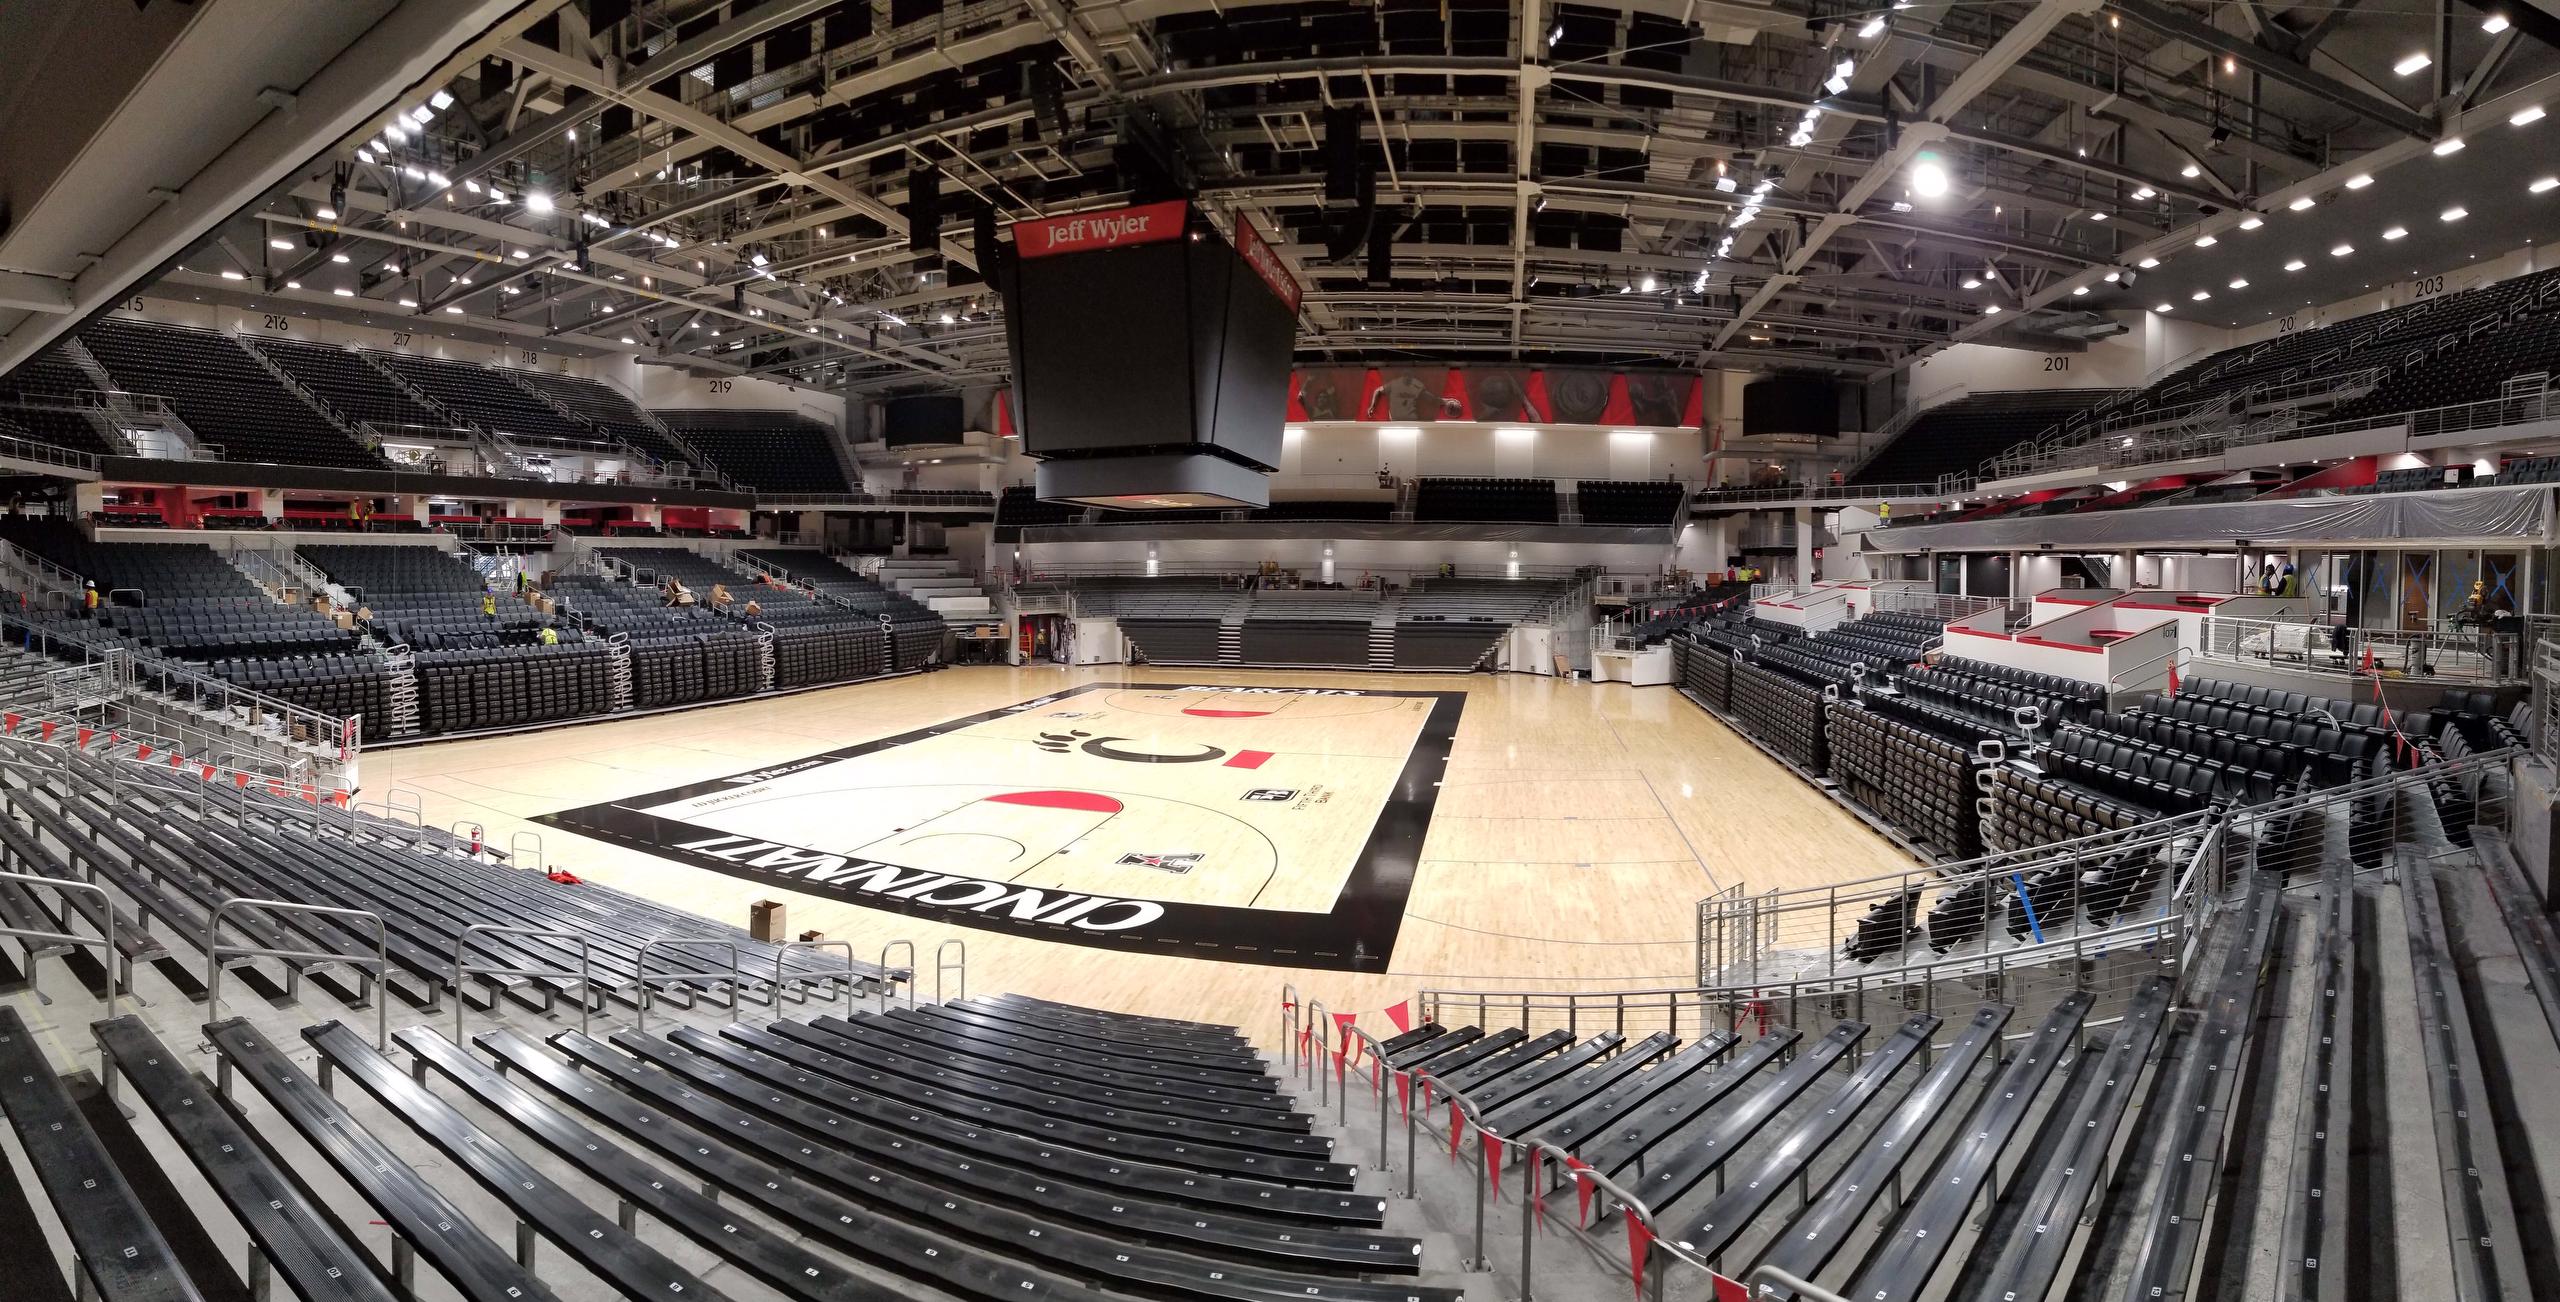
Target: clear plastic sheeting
2483 515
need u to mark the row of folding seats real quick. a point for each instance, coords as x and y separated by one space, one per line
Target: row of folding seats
507 686
2030 809
2345 755
2287 760
1785 714
2175 781
1800 661
1919 782
1523 501
332 684
1981 671
675 669
2000 701
1704 671
1625 502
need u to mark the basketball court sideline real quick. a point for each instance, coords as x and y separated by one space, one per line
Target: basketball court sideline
1178 842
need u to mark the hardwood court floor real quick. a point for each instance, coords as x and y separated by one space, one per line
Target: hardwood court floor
1576 826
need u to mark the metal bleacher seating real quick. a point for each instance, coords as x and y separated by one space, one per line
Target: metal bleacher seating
816 639
775 451
1005 1148
915 631
222 393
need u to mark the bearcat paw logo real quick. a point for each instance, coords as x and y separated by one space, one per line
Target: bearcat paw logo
1058 743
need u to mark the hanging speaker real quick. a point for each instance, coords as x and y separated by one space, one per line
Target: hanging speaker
1048 102
1345 232
1382 250
1342 153
924 209
982 243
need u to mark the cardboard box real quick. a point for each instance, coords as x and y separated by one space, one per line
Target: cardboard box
765 922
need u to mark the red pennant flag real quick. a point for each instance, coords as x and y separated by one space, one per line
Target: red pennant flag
1457 1128
1342 1031
341 798
1401 1013
275 788
1537 1204
177 760
1306 1036
1639 1244
240 780
1341 1069
1288 1003
85 735
1730 1290
2173 680
11 722
1404 1094
1583 1188
310 794
1492 1160
47 730
143 752
208 773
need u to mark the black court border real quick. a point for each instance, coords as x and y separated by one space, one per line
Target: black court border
1357 935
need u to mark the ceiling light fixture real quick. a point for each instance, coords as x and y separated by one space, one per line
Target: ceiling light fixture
2114 276
293 284
2454 214
538 201
1973 282
2240 284
1873 29
2296 265
1928 177
2208 241
2201 295
2544 185
2191 171
2494 24
1993 310
2395 232
2163 307
2252 222
2148 263
337 257
2412 63
2144 193
2302 204
2342 250
2360 180
344 293
2448 145
2526 117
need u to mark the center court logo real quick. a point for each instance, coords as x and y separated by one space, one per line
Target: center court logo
860 877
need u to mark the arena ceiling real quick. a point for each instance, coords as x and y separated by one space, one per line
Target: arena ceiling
1684 183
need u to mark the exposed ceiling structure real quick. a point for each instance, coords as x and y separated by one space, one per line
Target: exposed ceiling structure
128 130
798 187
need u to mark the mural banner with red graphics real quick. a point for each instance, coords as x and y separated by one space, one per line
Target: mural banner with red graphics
1548 396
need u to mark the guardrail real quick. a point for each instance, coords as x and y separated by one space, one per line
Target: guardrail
1844 493
2182 444
2446 655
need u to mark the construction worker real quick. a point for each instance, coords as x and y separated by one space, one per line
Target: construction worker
488 603
549 636
89 595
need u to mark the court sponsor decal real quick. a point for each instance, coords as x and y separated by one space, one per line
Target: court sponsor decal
895 829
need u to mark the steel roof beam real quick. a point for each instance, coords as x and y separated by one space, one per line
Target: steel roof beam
2274 67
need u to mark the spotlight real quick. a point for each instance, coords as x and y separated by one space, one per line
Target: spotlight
1928 177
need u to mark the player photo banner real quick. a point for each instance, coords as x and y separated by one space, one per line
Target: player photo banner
1066 817
1554 395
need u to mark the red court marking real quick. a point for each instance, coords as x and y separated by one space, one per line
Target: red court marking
1247 759
1084 800
1229 714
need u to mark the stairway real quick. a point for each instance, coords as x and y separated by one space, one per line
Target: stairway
1231 634
1382 637
940 585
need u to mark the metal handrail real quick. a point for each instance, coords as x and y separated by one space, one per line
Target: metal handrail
585 971
782 954
214 950
942 966
640 971
105 941
889 989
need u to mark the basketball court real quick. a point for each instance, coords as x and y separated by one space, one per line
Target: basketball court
1183 840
